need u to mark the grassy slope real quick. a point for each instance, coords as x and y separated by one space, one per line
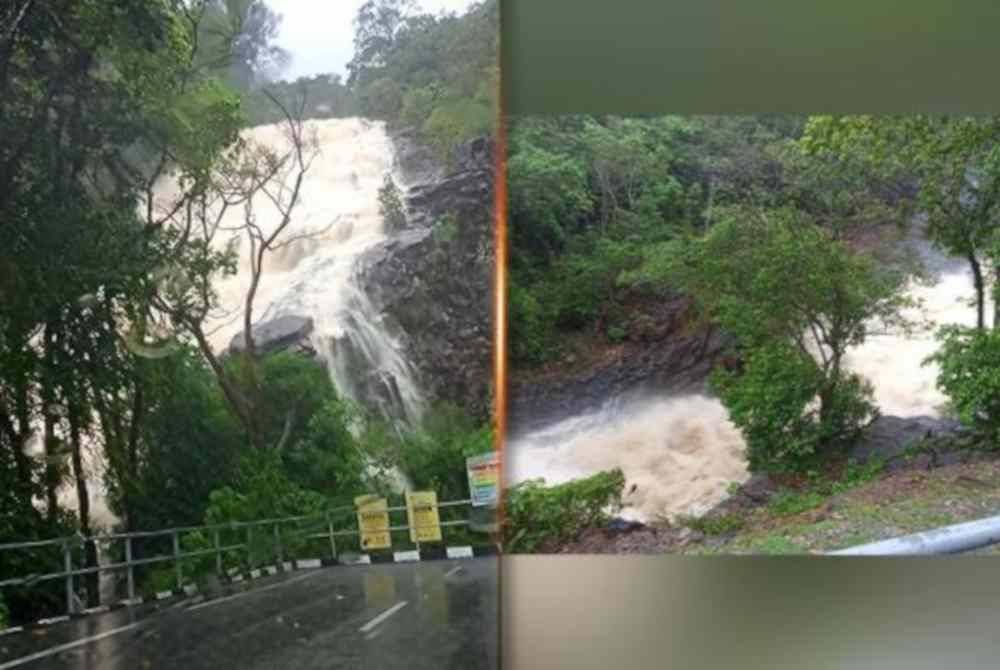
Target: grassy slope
891 505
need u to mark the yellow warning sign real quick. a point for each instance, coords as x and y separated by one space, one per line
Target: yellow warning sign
373 522
422 511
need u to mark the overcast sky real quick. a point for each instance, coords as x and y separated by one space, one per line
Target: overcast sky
320 33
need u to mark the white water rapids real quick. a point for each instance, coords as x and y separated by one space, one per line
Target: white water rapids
682 452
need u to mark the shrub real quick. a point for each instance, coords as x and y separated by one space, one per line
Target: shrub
446 229
773 400
536 514
969 374
390 205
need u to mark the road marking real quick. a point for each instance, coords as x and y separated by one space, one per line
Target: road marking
65 647
381 617
458 552
453 571
286 582
406 556
52 620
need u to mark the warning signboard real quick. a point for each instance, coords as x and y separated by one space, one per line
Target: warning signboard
484 478
373 522
422 510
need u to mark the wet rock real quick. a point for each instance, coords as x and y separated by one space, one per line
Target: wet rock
282 333
889 437
624 525
678 362
433 279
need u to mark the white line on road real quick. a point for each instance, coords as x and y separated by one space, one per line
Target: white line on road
252 591
380 618
453 571
64 647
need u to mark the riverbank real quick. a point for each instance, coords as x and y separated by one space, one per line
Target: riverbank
932 484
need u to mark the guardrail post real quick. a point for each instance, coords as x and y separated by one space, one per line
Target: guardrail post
218 552
329 528
68 566
277 546
177 560
129 569
250 547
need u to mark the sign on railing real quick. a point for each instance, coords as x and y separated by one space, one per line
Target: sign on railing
422 512
484 479
373 522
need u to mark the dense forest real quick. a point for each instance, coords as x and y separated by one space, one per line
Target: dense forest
783 232
106 373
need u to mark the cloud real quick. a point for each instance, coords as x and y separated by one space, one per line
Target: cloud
320 33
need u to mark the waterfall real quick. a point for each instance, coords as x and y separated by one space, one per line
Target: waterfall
336 220
682 452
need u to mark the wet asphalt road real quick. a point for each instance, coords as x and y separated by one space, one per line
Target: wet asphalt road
435 614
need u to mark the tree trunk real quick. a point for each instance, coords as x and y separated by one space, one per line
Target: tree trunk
51 473
132 455
20 441
996 297
980 285
92 580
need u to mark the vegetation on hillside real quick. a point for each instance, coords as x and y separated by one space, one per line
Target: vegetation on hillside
781 231
106 371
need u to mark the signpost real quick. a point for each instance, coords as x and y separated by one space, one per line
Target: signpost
373 522
422 511
484 479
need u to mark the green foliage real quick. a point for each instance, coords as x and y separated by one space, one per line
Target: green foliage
536 515
787 503
796 299
969 363
189 445
616 334
390 205
328 459
531 331
458 121
854 475
436 74
433 456
713 525
446 229
956 163
4 613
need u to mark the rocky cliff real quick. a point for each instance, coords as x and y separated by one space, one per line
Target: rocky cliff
433 278
662 351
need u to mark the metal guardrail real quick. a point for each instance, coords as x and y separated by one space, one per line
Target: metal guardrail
956 539
70 543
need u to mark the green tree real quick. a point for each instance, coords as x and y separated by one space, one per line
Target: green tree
969 359
956 161
795 299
